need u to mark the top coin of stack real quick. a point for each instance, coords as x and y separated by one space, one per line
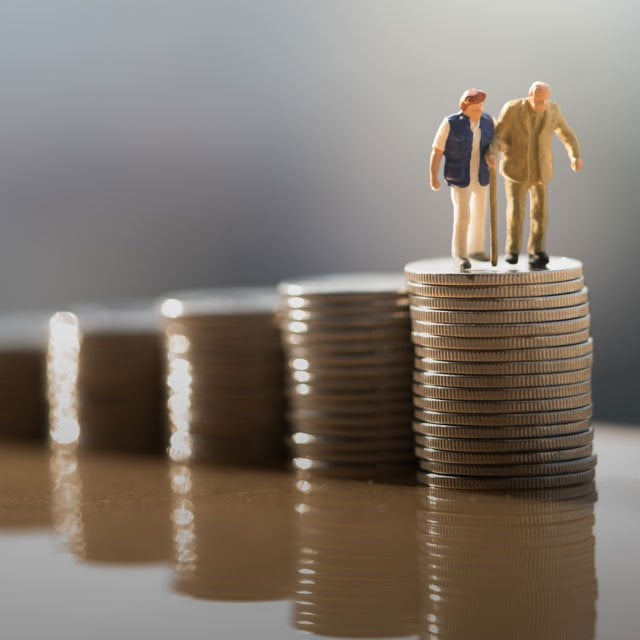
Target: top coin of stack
348 349
502 375
224 375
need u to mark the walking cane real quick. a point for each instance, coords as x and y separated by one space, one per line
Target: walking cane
493 204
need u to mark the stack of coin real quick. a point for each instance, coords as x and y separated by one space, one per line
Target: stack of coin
225 375
119 384
503 567
348 348
23 346
502 375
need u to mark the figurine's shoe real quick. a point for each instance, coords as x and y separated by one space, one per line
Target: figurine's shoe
512 258
463 264
538 260
480 256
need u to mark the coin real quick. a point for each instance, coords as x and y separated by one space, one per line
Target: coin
495 291
502 407
507 393
511 470
505 484
497 445
512 355
498 344
537 367
424 314
348 443
501 432
501 304
505 419
507 458
343 285
501 330
501 382
444 271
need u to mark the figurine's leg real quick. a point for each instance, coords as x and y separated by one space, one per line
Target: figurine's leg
516 193
460 197
539 214
475 239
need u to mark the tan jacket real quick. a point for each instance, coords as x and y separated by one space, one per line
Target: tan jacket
511 136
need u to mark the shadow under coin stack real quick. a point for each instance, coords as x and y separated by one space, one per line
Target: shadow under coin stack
502 377
23 348
119 385
348 348
224 376
500 567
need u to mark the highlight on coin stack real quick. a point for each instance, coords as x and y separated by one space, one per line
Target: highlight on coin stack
224 375
502 375
23 348
104 378
348 350
497 566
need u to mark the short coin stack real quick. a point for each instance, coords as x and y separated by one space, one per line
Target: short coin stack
224 375
23 346
502 375
119 385
348 348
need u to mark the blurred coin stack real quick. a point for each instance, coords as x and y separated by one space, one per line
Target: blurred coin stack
348 349
501 567
119 383
502 375
23 348
225 375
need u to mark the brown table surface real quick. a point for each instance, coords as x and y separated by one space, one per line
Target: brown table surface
105 546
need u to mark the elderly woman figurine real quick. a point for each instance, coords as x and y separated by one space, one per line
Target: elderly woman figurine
463 139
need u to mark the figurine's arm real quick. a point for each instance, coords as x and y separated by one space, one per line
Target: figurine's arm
570 141
437 152
434 168
491 154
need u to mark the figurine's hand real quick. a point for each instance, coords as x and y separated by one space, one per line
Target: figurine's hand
435 184
576 164
491 161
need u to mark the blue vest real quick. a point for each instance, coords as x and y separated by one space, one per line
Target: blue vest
457 151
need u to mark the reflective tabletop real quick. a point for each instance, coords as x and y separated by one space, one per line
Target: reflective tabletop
97 546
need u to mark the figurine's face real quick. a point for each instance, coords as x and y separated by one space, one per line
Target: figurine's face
539 100
474 111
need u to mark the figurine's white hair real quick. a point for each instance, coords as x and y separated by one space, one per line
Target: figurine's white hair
538 85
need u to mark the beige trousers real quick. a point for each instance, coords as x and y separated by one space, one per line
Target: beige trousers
469 215
516 200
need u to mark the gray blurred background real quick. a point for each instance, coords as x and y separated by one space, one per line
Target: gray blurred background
152 145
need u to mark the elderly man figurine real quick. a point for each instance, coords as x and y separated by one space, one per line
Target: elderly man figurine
524 133
463 138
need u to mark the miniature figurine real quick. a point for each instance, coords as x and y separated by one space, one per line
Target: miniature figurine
463 138
524 133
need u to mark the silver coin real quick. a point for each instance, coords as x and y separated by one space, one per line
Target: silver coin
444 271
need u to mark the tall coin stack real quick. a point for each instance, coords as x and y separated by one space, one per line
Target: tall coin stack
224 375
348 348
502 375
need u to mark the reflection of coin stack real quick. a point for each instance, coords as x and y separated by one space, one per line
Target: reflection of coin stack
23 345
349 356
231 532
119 383
224 376
92 525
356 572
502 379
497 567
